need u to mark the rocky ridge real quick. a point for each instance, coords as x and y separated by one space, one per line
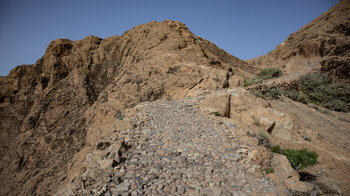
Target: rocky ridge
50 111
322 45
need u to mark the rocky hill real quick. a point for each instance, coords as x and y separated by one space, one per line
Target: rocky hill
46 108
322 45
160 111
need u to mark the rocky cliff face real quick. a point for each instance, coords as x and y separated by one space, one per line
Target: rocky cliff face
322 45
49 111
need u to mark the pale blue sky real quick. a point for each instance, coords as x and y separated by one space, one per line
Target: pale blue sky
244 28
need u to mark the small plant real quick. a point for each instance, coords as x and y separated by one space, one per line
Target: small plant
262 135
258 94
272 93
84 70
276 149
216 113
269 170
300 159
320 110
293 94
120 116
307 138
247 83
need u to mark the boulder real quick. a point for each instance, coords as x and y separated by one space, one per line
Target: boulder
236 80
216 103
287 176
259 155
282 167
294 185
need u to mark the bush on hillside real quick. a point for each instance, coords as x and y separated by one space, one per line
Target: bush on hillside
320 90
276 149
299 159
265 74
270 73
314 88
272 93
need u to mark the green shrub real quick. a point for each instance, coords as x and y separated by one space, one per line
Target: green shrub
258 94
296 96
293 94
313 82
264 74
307 138
120 116
247 83
262 135
276 149
216 113
336 105
269 170
340 90
272 93
300 159
302 98
320 90
313 88
257 80
270 73
323 111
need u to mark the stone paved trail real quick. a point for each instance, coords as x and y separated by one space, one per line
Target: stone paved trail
183 151
177 150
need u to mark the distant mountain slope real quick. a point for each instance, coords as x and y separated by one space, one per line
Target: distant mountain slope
323 44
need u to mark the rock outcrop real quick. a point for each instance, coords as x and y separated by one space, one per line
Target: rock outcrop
322 45
293 125
53 109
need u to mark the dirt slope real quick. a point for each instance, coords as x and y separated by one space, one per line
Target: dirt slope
45 107
322 45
